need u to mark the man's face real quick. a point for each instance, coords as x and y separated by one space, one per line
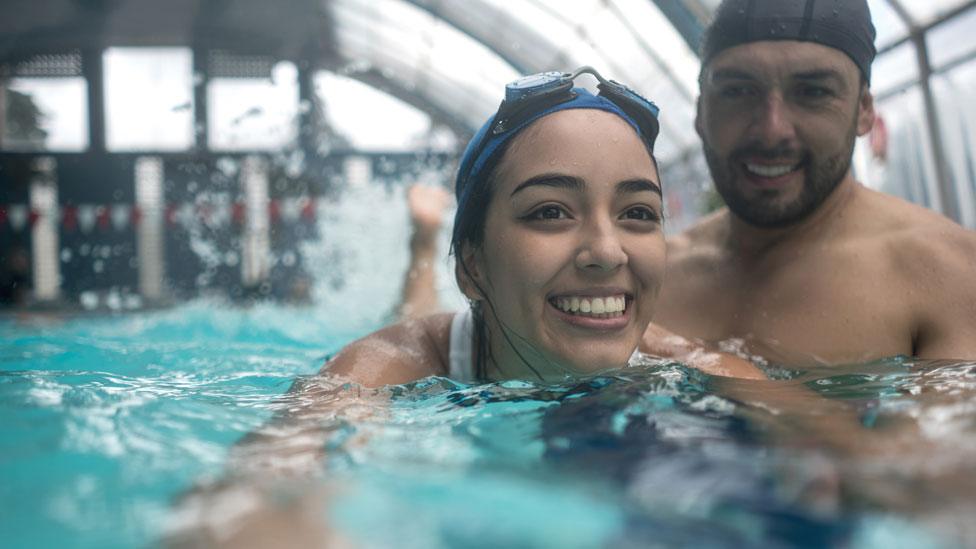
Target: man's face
778 121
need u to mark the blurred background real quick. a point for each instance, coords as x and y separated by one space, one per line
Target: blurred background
154 151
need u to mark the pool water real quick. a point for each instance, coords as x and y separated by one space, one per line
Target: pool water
114 423
108 421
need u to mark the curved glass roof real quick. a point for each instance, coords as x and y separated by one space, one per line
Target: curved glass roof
452 58
458 54
449 59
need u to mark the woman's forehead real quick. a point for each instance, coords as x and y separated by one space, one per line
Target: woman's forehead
561 136
572 122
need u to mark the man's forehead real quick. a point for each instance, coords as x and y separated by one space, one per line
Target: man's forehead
780 58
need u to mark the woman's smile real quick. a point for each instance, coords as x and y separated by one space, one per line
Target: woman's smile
601 310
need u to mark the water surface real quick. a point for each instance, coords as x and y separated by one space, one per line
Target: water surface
110 419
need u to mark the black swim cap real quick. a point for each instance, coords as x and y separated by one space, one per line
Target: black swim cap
844 25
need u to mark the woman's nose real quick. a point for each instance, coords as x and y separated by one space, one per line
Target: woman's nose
601 249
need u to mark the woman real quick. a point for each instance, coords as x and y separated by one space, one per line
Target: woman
559 247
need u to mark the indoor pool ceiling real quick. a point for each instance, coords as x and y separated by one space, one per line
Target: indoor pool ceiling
449 58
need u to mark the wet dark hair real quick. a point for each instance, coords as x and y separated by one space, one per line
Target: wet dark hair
469 230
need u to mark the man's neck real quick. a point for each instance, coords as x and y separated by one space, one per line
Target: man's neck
747 241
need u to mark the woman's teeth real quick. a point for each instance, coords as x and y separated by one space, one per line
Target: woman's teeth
770 171
598 307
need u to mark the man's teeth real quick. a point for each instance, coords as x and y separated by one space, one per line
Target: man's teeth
770 171
593 306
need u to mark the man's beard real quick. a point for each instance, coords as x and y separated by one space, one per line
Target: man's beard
821 177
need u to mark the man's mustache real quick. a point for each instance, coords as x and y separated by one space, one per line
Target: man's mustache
785 153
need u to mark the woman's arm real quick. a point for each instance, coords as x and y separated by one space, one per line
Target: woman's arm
409 350
246 507
293 441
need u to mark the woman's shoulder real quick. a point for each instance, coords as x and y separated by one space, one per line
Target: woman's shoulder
409 350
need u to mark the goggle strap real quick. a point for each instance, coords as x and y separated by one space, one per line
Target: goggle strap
636 109
514 112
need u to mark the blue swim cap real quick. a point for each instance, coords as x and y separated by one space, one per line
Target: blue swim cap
482 151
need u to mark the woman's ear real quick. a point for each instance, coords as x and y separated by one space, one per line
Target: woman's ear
467 271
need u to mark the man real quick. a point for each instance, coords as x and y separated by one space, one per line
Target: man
805 264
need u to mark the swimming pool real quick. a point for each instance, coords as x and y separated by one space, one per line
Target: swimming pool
108 419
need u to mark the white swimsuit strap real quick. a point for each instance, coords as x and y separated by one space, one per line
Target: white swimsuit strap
462 343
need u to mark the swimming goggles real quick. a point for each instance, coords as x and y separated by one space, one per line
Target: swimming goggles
529 95
535 96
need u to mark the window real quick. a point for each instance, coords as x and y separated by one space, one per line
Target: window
249 113
148 99
44 114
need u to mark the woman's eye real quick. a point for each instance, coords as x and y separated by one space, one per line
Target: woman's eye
548 212
641 214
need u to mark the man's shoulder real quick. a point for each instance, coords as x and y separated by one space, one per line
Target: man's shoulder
936 249
906 228
932 260
918 241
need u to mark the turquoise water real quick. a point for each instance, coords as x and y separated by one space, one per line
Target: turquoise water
109 420
105 419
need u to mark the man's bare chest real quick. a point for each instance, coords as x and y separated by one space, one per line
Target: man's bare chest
827 309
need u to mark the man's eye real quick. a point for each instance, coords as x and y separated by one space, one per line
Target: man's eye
815 92
732 92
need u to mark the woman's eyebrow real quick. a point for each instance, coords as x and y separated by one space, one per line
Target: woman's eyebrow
551 180
639 185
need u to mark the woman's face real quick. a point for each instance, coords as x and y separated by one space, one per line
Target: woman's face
574 252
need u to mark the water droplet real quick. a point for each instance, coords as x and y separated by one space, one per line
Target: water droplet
89 300
113 300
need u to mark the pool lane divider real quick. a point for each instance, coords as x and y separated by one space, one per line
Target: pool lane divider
121 216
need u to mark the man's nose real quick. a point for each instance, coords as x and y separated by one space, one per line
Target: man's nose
601 248
773 123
